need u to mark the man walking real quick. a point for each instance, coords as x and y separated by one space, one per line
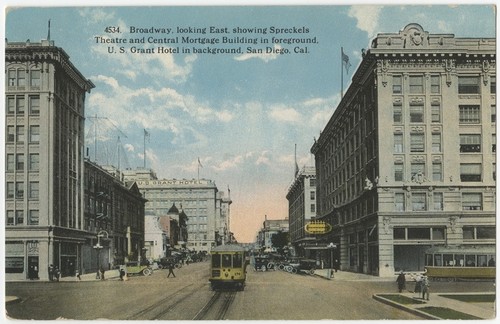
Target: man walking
425 288
171 269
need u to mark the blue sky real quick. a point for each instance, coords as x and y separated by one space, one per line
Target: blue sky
241 115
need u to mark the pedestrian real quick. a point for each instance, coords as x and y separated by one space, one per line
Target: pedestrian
78 275
122 273
102 273
57 273
171 269
336 265
401 280
425 288
418 284
51 272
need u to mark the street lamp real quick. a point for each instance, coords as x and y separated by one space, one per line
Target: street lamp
98 248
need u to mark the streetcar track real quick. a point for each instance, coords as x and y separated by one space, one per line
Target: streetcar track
227 298
161 302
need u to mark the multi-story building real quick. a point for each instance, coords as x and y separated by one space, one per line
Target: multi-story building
269 228
44 124
206 208
407 161
301 198
114 219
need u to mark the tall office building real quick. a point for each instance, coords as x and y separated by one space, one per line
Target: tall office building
44 124
407 161
207 209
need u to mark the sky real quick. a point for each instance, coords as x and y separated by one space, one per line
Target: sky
232 118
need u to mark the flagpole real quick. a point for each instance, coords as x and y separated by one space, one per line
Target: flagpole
144 148
341 72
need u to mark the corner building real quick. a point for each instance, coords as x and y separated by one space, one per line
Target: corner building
44 125
407 161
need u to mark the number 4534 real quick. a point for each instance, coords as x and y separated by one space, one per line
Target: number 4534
112 29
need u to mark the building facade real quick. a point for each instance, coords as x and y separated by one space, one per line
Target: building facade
207 208
269 228
44 124
407 161
301 198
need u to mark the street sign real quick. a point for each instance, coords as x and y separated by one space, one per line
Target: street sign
318 227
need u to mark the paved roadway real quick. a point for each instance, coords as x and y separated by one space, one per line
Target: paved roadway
272 295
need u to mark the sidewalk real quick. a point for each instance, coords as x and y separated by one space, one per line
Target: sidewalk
108 275
483 310
438 300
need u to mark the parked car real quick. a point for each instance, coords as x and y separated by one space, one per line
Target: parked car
135 268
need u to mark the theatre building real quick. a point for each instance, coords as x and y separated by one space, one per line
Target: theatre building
44 128
407 161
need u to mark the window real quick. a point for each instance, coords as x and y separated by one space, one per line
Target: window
468 85
417 142
10 162
493 113
493 143
472 201
417 171
398 143
437 171
436 113
21 78
20 105
11 134
10 190
20 162
34 105
416 233
11 105
397 84
34 190
416 113
493 84
12 78
437 201
416 84
436 142
35 79
479 233
312 182
470 143
398 171
438 233
34 162
17 78
399 233
470 114
435 84
20 134
34 216
418 201
10 220
313 195
470 172
313 208
399 202
34 133
19 190
19 217
397 113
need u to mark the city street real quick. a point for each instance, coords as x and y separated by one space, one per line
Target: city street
271 295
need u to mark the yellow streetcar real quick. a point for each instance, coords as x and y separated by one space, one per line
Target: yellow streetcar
445 263
228 267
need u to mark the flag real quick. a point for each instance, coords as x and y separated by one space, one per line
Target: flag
199 163
146 134
345 61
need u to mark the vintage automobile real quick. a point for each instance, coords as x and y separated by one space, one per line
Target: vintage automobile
135 268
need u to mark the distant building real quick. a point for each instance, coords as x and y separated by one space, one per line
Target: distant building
407 161
269 228
301 198
205 207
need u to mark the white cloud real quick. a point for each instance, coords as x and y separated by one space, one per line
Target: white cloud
285 114
266 57
263 158
129 147
367 17
96 15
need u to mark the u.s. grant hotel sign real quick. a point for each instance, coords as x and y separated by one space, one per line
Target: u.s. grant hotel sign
175 182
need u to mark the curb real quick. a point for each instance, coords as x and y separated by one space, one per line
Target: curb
12 300
408 309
